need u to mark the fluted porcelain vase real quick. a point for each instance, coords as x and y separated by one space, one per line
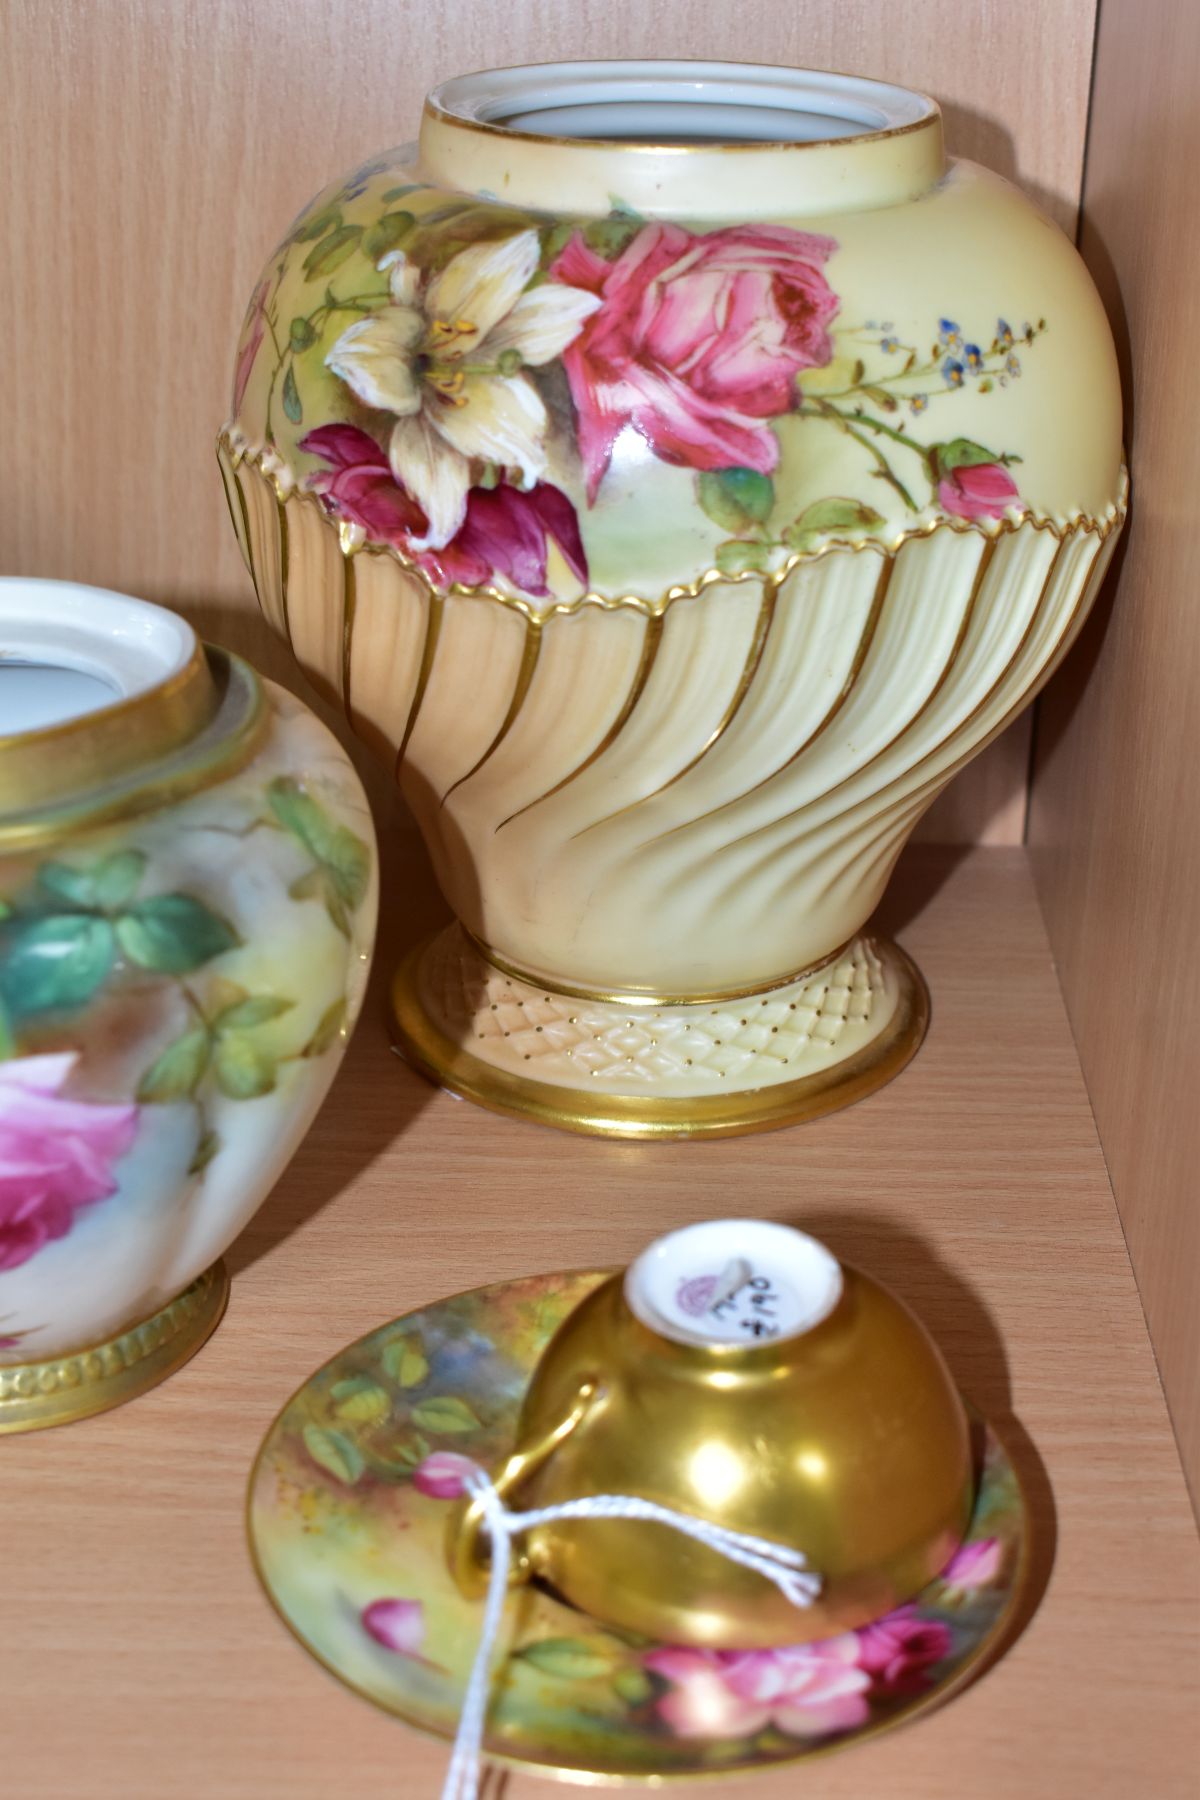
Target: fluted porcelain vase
187 911
677 472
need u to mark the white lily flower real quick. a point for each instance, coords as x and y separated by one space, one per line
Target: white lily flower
445 356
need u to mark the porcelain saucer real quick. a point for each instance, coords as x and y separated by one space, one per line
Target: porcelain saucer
348 1505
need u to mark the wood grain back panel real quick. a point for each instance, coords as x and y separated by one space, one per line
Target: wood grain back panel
151 152
1116 804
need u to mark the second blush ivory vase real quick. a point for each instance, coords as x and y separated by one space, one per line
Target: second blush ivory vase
188 894
677 472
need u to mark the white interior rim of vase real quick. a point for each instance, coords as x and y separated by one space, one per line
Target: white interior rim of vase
681 103
67 651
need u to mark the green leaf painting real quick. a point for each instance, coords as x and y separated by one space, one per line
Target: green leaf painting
343 860
242 1070
291 397
835 517
387 233
173 934
176 1073
118 878
445 1415
332 250
738 556
320 225
961 453
412 1453
77 930
334 1452
255 1009
404 1360
102 887
735 499
60 881
633 1686
361 1400
55 961
335 847
608 237
571 1658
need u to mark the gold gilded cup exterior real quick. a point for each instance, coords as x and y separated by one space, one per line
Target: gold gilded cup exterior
849 1443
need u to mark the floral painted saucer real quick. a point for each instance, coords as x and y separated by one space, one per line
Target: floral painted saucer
347 1517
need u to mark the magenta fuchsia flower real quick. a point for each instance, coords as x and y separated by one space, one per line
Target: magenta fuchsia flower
898 1651
975 1566
699 340
506 530
399 1625
359 485
978 491
442 1476
805 1691
56 1155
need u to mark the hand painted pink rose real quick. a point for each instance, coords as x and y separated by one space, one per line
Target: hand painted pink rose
898 1651
699 339
399 1625
56 1155
975 1566
978 491
443 1475
809 1690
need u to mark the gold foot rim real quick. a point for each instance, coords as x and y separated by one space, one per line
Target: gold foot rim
63 1389
649 1118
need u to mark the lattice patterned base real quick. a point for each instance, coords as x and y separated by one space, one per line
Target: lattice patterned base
65 1388
703 1069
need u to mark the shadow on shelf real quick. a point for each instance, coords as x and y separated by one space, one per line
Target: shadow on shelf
921 872
347 1135
970 1341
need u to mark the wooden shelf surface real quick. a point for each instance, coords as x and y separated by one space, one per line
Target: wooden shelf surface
139 1657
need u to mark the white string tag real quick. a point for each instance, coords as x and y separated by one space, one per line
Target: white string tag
786 1568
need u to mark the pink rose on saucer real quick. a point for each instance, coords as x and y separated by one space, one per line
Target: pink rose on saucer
398 1625
805 1691
698 342
898 1651
443 1475
974 1566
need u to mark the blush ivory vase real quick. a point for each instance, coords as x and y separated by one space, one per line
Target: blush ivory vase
187 911
677 471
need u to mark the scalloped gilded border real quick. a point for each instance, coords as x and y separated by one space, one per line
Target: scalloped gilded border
262 461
